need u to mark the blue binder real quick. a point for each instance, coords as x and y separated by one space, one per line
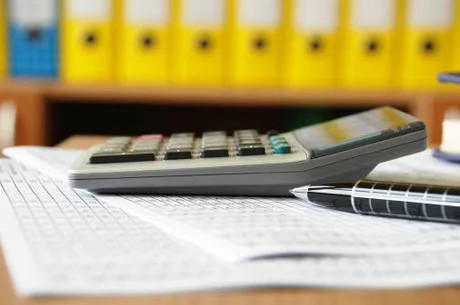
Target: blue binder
33 38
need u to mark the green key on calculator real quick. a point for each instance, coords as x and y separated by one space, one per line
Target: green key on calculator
246 162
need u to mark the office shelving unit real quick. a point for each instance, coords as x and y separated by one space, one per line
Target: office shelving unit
32 99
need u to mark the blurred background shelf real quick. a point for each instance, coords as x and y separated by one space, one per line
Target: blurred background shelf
227 96
49 111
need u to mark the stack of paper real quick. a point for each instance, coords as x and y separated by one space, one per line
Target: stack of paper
59 240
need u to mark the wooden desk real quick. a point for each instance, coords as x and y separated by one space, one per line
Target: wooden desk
438 296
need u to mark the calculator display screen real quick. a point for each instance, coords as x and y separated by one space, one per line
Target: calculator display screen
356 130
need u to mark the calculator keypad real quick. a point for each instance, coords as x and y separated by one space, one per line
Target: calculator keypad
183 146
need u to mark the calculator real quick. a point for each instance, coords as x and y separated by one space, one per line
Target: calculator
246 162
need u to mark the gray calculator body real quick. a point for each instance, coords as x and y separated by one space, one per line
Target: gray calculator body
345 149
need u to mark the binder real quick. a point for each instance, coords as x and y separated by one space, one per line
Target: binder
200 41
370 41
87 40
143 41
312 34
256 29
455 58
33 38
427 41
3 37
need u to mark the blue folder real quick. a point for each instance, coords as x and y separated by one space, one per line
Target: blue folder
33 48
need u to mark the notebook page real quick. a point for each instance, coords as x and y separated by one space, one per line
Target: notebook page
245 228
60 241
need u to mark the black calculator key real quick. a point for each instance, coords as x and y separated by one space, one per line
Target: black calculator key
214 153
251 150
178 154
102 157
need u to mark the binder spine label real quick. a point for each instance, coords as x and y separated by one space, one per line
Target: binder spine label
374 14
321 16
203 12
259 12
147 12
90 9
429 13
33 13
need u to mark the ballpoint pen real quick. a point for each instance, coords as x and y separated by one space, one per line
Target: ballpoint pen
411 201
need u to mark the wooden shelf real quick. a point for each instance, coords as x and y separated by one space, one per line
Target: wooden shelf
258 96
32 96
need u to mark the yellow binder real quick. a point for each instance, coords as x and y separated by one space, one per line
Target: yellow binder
369 41
312 33
87 41
455 58
427 41
199 42
256 42
143 41
3 47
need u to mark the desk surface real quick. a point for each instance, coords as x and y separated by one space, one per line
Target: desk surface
442 295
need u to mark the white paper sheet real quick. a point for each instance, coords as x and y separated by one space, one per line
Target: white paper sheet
244 228
54 162
58 241
418 168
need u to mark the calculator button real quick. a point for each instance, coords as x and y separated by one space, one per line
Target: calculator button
146 146
179 147
111 149
143 150
178 154
182 136
214 146
277 139
212 134
249 143
242 132
281 149
149 137
103 157
214 153
250 150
